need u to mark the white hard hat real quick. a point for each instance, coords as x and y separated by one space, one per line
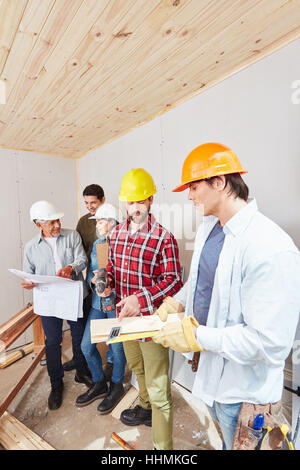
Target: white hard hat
44 210
106 211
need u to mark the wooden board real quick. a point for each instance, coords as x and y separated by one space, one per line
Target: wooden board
102 254
125 403
15 327
14 435
16 355
9 398
80 73
100 329
38 335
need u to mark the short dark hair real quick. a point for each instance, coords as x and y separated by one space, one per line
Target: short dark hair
237 185
94 190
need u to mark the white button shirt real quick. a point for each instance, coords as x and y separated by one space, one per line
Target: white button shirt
254 310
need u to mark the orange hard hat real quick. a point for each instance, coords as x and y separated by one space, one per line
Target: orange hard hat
206 161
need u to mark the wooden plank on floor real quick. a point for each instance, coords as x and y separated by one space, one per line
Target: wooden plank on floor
15 327
126 402
14 435
5 404
15 355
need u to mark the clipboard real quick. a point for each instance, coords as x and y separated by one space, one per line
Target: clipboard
102 254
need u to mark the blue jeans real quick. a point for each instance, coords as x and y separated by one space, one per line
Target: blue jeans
92 355
53 331
226 416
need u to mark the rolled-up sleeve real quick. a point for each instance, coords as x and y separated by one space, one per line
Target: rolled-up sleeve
270 299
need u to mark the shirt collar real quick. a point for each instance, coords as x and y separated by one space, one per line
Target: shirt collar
101 239
240 220
40 237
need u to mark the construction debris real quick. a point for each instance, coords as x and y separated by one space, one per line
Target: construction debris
121 442
13 328
14 435
12 357
125 403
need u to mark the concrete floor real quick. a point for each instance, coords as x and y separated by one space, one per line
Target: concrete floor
83 428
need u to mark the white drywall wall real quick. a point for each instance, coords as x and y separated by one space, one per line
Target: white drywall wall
256 112
25 178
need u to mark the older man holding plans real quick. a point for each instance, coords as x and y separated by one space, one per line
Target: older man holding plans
57 251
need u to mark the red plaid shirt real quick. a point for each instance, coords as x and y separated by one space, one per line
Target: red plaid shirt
144 263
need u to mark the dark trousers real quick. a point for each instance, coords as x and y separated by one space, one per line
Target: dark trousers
53 331
87 305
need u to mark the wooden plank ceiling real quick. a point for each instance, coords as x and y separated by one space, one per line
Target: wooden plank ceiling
80 73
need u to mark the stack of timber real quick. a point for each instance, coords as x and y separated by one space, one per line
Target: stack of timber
14 435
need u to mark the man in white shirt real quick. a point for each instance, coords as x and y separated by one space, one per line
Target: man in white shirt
57 252
243 289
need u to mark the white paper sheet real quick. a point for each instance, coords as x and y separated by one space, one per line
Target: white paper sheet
57 300
55 296
40 279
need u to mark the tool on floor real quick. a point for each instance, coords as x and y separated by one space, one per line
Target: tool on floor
121 442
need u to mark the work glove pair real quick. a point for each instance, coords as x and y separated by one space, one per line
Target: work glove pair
178 336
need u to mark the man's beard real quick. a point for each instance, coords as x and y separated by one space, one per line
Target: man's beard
139 219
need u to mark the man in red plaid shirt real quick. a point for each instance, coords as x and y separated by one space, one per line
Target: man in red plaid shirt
144 269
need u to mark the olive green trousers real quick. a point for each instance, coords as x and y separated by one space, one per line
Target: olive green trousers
150 363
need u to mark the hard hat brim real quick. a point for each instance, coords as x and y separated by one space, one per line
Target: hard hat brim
184 186
139 197
181 187
57 216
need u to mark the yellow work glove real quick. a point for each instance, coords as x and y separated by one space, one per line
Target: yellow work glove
179 336
169 305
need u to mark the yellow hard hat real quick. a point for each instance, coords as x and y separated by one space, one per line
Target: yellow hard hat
137 185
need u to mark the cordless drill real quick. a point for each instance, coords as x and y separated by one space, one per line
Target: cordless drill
101 280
